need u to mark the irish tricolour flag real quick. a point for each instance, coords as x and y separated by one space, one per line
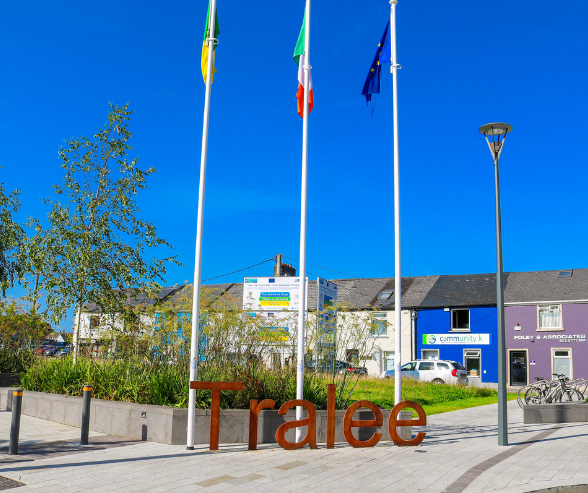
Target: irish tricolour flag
300 59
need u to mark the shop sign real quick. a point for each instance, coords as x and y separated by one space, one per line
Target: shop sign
447 339
564 337
310 422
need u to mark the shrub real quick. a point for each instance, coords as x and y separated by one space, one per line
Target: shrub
147 382
15 361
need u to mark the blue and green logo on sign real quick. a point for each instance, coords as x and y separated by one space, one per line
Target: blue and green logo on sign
429 339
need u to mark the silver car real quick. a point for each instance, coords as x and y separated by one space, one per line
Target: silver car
436 371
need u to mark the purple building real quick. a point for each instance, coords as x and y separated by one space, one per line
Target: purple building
546 321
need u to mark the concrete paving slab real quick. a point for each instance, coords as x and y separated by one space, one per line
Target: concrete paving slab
459 454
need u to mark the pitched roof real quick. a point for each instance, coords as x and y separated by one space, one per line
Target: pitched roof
420 292
546 286
140 299
462 290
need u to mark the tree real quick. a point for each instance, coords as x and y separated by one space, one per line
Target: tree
11 237
95 246
19 326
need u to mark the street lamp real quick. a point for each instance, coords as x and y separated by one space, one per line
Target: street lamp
495 133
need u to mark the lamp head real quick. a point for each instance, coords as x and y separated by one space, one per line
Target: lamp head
495 134
495 129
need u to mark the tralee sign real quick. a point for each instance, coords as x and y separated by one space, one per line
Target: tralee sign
310 439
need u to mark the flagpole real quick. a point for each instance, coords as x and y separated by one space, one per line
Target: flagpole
397 274
194 357
302 287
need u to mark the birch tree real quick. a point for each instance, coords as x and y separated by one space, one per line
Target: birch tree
95 248
12 236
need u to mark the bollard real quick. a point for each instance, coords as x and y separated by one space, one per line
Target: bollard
86 414
15 425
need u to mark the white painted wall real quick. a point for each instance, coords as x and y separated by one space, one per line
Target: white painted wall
386 343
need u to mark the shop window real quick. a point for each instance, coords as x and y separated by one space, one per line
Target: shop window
460 320
379 325
388 360
430 354
550 317
562 362
472 362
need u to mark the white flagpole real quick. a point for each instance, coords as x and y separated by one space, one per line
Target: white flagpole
397 274
302 273
194 357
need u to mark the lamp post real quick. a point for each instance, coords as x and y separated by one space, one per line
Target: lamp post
495 133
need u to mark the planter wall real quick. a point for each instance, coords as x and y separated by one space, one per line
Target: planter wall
9 379
561 412
168 425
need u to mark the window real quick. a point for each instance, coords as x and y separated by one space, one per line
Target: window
472 361
460 319
562 362
426 366
565 273
408 366
94 324
384 295
550 317
430 354
353 356
388 360
442 366
380 325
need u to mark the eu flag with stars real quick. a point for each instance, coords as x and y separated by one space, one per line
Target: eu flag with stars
372 83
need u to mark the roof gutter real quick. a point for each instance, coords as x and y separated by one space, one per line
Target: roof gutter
516 303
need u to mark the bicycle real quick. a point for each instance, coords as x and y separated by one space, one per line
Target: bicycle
545 391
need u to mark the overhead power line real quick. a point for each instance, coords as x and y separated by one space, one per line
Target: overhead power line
449 298
240 270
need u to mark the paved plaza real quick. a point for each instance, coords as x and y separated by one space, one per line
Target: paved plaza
459 454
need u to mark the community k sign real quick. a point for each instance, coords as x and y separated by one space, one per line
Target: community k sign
348 422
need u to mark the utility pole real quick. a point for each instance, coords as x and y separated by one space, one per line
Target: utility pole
278 269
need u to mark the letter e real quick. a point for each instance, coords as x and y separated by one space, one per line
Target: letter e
393 422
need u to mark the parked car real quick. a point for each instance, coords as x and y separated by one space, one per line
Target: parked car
44 349
64 351
343 367
436 371
51 351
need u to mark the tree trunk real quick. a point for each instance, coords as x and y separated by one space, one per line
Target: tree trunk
76 335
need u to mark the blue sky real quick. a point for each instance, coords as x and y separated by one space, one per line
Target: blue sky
464 64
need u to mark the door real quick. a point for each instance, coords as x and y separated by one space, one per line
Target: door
426 371
518 368
408 370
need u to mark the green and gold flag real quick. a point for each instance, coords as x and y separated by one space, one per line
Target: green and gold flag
205 49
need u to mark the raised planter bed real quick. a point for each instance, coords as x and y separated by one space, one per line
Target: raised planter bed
168 425
561 412
9 379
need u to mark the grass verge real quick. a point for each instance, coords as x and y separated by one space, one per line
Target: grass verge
433 398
